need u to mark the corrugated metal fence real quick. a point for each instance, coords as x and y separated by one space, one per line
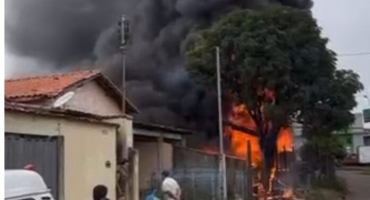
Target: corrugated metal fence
40 151
198 174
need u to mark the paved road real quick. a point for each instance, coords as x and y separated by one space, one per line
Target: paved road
358 184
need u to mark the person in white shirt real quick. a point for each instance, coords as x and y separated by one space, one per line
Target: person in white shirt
170 187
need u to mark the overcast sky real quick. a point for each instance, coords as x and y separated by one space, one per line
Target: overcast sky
346 23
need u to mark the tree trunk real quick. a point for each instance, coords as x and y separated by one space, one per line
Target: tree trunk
268 144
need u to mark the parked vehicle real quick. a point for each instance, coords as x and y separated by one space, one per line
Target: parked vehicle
350 159
25 185
364 155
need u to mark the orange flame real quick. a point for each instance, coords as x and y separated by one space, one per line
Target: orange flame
240 116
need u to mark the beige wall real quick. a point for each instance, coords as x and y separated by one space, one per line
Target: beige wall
125 134
149 160
87 147
92 98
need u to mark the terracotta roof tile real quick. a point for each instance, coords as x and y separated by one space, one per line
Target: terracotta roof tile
33 88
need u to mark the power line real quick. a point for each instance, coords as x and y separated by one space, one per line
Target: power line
353 54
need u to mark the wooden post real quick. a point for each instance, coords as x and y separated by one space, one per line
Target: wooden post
136 176
213 187
193 185
285 159
295 171
277 161
249 172
160 154
232 177
244 186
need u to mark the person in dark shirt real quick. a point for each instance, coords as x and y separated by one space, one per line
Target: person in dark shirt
100 192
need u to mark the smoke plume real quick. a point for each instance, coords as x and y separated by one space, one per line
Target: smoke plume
69 34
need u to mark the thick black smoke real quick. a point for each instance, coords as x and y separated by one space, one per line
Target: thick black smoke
71 33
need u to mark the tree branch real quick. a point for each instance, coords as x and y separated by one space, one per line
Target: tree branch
241 128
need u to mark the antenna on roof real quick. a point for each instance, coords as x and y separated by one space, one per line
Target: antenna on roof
63 99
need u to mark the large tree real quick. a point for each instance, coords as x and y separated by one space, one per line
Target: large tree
328 111
276 63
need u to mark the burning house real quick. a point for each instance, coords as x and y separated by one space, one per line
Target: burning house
243 141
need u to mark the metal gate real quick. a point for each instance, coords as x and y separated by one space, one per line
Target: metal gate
43 152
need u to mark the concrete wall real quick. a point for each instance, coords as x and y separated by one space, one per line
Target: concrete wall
125 134
152 159
359 121
87 147
298 140
93 99
358 140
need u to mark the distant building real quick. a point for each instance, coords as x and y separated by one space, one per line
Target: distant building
355 136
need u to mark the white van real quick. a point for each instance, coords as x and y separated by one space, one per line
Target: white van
25 185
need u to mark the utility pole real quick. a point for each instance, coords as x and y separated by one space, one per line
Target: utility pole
123 33
123 37
222 163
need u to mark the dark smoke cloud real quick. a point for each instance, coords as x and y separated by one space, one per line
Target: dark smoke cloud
71 33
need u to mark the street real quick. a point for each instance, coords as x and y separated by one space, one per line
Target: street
358 183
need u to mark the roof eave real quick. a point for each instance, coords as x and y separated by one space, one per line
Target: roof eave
55 112
162 128
115 89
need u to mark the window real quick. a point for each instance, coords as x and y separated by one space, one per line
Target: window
367 140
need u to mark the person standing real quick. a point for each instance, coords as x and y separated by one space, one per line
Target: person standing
170 187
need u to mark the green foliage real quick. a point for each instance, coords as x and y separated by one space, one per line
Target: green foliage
327 189
323 194
279 49
336 184
333 145
366 171
329 107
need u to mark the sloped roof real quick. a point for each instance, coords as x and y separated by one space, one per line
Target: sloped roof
51 86
33 88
